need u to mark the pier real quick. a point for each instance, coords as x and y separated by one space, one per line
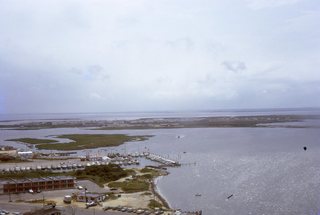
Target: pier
162 160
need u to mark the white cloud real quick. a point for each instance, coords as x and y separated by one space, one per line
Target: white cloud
261 4
96 96
147 54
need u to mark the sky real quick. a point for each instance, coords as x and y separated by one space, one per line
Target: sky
158 55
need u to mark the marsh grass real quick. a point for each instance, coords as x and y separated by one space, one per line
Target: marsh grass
82 141
33 141
102 174
30 174
131 186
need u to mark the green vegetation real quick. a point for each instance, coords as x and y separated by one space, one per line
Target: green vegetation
34 141
145 176
154 204
150 171
131 186
29 174
167 123
138 183
146 194
102 174
97 174
9 159
82 141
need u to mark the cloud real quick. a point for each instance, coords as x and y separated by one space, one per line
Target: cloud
96 72
261 4
96 96
128 55
234 66
91 73
185 43
304 23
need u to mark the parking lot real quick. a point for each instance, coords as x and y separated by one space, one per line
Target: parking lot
66 210
21 202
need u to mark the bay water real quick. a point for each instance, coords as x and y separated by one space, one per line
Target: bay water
261 170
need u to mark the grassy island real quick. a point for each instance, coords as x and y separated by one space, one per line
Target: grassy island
33 141
82 141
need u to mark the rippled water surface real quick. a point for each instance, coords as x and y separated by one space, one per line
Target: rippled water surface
265 169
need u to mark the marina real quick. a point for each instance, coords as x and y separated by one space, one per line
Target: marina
81 162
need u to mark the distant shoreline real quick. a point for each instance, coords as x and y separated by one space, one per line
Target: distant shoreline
163 123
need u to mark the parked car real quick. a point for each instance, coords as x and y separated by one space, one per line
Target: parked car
67 199
91 204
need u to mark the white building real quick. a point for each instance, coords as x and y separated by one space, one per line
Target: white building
25 155
95 197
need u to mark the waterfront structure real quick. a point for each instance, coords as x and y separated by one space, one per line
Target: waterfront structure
25 155
36 184
90 197
163 160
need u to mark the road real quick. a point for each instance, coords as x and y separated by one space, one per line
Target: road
66 210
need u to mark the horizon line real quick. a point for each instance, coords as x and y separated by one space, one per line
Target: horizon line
175 111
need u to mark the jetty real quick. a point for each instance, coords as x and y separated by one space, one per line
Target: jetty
162 160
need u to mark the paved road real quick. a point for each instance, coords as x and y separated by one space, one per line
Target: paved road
22 207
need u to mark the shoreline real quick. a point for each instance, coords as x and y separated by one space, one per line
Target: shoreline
155 190
166 122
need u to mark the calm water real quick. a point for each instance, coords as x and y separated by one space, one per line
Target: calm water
266 169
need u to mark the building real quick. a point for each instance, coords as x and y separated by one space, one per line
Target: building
88 197
25 155
35 184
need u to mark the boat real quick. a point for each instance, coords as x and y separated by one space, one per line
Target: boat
198 194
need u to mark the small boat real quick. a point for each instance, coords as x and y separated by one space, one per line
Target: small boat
198 194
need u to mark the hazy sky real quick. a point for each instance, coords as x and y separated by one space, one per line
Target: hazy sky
135 55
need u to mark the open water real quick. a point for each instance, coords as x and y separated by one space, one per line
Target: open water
264 170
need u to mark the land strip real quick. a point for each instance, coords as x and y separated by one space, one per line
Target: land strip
82 141
156 123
